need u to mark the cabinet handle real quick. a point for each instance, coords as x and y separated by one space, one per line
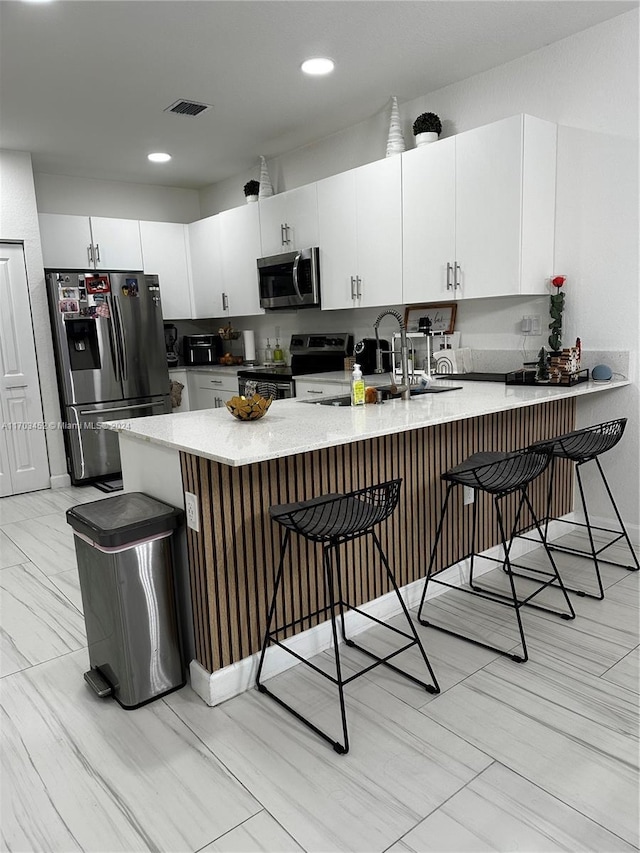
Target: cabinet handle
449 271
90 254
311 391
456 275
353 287
358 287
282 236
225 302
216 381
97 252
286 234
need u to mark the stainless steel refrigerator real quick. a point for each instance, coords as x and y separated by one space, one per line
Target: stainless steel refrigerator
111 361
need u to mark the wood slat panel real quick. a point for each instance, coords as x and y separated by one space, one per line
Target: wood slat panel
233 560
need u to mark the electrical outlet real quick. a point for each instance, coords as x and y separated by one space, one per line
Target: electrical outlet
191 509
530 324
468 495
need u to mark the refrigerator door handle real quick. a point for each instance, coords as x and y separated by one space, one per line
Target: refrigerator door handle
120 334
113 339
122 408
83 466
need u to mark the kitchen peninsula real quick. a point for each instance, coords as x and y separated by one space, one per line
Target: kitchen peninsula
299 450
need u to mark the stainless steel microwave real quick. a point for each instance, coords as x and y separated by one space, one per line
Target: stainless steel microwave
290 280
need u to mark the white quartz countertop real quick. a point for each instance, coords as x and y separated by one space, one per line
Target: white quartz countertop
296 426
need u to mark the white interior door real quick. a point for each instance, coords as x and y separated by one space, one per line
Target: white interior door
23 450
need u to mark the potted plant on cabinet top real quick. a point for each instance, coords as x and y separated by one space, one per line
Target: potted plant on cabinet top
251 190
427 128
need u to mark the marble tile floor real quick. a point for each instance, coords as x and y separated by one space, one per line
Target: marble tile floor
538 756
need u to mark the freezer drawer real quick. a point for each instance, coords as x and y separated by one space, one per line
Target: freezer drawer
93 451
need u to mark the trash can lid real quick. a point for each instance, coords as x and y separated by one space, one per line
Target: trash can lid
125 518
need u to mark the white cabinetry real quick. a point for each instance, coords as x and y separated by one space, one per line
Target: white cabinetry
239 236
206 268
181 376
90 242
165 253
360 236
289 221
210 390
310 389
479 212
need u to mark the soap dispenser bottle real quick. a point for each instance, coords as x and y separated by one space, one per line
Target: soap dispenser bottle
357 386
268 353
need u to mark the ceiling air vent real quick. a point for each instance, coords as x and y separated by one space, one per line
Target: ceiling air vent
188 108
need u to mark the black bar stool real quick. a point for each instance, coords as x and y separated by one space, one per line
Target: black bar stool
499 474
333 520
582 446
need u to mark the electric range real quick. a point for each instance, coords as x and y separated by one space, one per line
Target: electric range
310 353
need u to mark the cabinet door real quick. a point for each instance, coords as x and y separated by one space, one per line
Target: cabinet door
428 213
181 377
116 243
206 268
379 233
272 218
66 241
165 254
488 208
337 228
289 221
208 391
307 389
301 218
239 251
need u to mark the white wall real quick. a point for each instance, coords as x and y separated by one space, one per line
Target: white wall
92 197
19 221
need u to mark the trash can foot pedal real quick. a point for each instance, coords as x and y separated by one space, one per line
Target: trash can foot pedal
97 683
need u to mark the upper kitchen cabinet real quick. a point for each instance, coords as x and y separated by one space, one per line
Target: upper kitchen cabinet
95 242
360 231
479 212
239 253
206 268
289 221
165 253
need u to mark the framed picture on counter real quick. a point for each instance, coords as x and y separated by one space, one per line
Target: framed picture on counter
441 314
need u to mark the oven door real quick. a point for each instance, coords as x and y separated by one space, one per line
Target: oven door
284 389
290 280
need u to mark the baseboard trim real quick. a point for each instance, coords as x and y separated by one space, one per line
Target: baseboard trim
216 687
59 481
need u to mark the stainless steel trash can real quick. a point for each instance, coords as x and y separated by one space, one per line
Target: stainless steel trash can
123 545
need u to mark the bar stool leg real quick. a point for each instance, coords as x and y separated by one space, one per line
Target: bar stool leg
507 566
623 529
341 749
272 610
431 688
434 551
474 527
594 554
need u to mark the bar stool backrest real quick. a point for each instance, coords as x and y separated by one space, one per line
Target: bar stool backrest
585 444
502 475
342 515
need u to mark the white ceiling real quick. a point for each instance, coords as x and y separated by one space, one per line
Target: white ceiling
84 82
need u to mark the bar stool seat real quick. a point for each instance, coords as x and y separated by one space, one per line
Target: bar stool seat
332 520
500 475
582 446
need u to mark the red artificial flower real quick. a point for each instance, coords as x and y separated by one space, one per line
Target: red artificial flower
558 280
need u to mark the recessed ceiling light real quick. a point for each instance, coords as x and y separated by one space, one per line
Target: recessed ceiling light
318 65
159 157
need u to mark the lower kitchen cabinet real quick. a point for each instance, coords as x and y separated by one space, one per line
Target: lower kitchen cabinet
181 376
310 389
210 390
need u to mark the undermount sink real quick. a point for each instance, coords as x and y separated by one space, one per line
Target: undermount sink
387 394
